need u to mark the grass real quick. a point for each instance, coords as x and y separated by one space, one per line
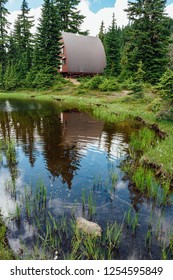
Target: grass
5 251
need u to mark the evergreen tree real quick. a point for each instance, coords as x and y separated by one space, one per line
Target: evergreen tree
70 16
3 33
22 33
10 77
148 37
112 47
102 32
48 46
12 50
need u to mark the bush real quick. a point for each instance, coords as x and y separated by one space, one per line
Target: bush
92 83
137 89
166 84
43 80
30 77
109 85
81 91
10 77
155 105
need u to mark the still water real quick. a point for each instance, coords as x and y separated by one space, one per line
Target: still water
73 155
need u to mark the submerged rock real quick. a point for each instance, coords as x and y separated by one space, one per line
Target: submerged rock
88 227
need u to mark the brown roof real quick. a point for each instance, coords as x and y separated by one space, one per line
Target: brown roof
85 54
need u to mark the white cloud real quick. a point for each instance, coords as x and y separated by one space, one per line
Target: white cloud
93 21
169 10
33 12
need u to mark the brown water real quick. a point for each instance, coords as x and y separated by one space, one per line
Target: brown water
72 153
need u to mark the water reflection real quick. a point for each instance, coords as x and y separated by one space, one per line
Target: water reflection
70 152
61 138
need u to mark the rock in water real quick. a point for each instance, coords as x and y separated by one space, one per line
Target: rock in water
88 227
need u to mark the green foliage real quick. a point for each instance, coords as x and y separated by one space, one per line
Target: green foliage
69 15
21 43
102 32
143 139
112 48
155 105
100 83
43 79
92 83
10 77
166 84
1 76
110 84
5 252
48 46
3 32
148 38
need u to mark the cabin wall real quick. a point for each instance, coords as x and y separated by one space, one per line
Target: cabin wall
64 59
82 55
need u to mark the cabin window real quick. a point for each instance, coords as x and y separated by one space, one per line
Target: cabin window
62 50
64 61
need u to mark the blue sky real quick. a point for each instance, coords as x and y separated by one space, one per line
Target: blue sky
95 5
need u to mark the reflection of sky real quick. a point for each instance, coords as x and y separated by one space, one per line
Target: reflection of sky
7 204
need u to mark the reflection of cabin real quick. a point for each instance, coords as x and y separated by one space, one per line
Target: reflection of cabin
82 55
80 129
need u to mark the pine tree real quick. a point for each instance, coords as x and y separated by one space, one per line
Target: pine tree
3 33
12 50
112 47
70 17
102 32
48 46
149 37
22 32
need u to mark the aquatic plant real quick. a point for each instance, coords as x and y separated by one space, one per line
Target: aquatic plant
91 205
132 219
139 178
148 237
10 152
83 198
113 235
10 187
17 214
141 140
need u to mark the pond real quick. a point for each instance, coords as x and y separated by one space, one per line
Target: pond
58 164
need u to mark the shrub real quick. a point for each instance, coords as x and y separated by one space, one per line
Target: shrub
155 105
109 85
10 77
95 82
137 89
43 80
30 77
166 84
81 91
92 83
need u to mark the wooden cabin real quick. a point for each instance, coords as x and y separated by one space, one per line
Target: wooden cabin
82 55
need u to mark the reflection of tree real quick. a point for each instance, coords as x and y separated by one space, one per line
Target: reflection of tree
61 159
113 130
37 122
57 134
136 197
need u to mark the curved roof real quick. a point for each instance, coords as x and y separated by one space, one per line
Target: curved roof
85 54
